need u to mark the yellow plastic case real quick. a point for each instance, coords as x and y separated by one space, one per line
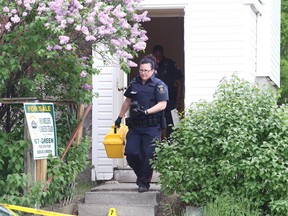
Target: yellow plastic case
114 141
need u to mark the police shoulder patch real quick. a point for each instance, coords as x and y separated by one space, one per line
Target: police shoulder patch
161 88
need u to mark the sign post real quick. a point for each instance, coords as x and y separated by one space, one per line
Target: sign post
42 129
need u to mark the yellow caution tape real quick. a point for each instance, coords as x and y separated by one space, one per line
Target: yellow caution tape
33 211
112 212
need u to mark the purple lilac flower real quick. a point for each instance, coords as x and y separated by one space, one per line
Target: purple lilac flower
28 6
115 42
49 47
118 13
132 64
85 30
143 38
70 20
103 18
13 11
15 19
139 46
84 58
57 47
77 4
63 39
134 31
124 41
132 40
83 73
8 26
142 17
91 19
63 24
78 28
124 24
68 47
87 86
124 54
6 9
90 38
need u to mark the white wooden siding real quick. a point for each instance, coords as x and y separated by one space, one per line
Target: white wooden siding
269 42
220 39
250 40
214 44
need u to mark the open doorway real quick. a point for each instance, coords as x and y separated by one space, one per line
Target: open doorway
168 31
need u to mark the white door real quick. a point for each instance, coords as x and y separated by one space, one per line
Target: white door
106 107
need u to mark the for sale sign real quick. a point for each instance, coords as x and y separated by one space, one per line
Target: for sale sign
42 129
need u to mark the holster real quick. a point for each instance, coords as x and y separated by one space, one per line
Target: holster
163 123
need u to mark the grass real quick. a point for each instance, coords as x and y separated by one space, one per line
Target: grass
226 206
83 186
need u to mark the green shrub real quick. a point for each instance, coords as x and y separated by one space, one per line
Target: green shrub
238 144
13 180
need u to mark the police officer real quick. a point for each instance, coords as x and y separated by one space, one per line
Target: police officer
147 97
168 72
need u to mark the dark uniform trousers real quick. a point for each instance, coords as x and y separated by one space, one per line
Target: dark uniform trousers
140 150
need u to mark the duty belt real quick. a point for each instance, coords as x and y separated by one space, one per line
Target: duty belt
151 120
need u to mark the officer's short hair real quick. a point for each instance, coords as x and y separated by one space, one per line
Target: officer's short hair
158 48
149 59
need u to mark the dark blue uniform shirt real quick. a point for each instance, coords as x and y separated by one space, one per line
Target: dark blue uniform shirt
149 94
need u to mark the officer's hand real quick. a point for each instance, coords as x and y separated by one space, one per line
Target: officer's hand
118 122
139 111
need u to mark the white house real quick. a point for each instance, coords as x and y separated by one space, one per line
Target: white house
210 40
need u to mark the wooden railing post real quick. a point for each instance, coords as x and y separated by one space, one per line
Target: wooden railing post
80 111
41 170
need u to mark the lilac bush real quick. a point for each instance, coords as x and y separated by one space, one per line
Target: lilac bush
46 52
65 30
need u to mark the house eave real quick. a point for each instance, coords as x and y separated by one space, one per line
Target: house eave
257 5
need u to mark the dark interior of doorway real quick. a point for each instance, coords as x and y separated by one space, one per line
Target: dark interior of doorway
168 32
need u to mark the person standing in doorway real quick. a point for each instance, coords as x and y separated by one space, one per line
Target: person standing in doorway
146 98
169 73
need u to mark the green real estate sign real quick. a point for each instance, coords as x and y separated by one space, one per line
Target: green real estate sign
42 129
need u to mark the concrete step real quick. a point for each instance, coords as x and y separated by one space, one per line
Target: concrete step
126 175
121 210
122 196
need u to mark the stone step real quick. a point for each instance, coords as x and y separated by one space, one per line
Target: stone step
121 210
126 175
122 196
